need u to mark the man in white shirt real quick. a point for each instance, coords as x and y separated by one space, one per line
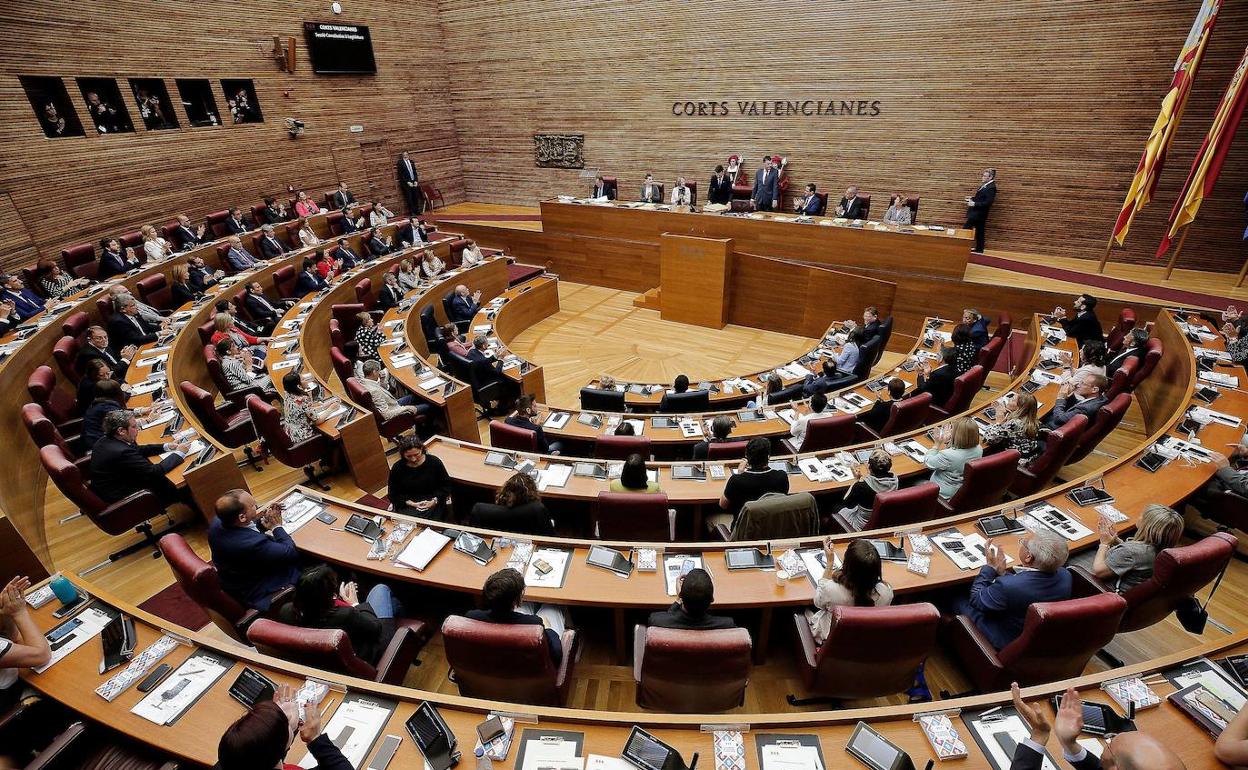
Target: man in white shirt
681 195
818 403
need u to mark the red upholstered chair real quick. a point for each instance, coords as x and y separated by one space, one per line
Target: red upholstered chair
216 223
870 651
829 432
608 447
1058 448
984 482
1126 322
302 454
200 581
456 257
866 205
334 221
330 649
965 386
44 433
504 436
364 294
989 353
129 513
259 213
104 308
284 281
1178 573
691 672
133 240
726 450
166 230
1151 356
1005 326
66 354
347 317
75 325
80 261
229 423
430 192
905 415
30 278
633 516
1103 423
899 508
1058 640
154 290
823 203
912 203
339 340
497 661
738 205
342 365
1120 383
205 331
57 404
1226 508
391 428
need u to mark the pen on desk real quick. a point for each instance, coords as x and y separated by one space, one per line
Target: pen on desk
327 705
992 710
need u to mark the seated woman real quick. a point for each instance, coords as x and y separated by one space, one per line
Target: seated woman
502 601
238 365
322 602
419 484
306 236
305 206
22 643
454 340
380 215
634 477
300 415
430 265
96 371
1018 428
224 328
771 386
409 278
625 428
860 498
898 212
471 255
368 337
516 508
818 403
55 282
326 266
1125 564
955 447
262 737
963 349
1091 359
180 287
156 249
858 583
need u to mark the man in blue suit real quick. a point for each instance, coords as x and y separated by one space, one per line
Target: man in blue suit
999 598
239 258
252 552
309 280
25 302
808 205
464 305
766 193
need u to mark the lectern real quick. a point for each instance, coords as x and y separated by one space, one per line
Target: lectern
693 279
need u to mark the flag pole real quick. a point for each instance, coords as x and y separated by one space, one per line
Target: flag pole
1175 256
1105 257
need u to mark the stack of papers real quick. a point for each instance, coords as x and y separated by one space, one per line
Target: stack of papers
966 551
418 553
553 476
557 420
675 565
182 688
556 558
1218 378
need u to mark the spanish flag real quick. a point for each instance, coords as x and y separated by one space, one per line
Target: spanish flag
1144 184
1213 151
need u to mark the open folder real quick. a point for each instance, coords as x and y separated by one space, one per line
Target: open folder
418 553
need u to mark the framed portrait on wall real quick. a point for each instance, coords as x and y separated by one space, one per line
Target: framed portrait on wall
152 101
198 101
240 97
51 103
105 106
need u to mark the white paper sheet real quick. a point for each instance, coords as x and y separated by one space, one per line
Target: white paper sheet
198 671
557 559
421 550
365 719
672 566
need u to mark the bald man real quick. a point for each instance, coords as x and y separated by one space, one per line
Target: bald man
1126 751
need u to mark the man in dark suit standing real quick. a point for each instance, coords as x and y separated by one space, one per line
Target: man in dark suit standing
464 305
342 197
187 236
689 611
119 465
938 381
601 190
871 327
808 204
720 189
264 313
270 246
1085 326
254 555
851 205
766 194
125 327
977 207
234 223
650 192
98 347
409 183
1084 394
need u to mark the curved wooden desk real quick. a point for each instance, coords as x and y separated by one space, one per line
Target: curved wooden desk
194 737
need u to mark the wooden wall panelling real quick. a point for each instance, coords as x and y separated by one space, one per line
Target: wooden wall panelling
1059 96
15 238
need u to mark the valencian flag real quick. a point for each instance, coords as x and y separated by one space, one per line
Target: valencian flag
1208 163
1144 184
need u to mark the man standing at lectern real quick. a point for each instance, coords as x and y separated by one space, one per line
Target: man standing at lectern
977 207
409 183
766 187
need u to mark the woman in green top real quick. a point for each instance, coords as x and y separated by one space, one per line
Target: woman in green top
634 478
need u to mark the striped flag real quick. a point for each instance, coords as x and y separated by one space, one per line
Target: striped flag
1144 183
1213 151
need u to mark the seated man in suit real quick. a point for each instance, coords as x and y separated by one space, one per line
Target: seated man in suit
601 190
808 204
413 233
826 380
352 220
148 313
1085 326
235 224
347 258
200 276
721 431
525 416
871 327
126 328
650 192
875 417
719 190
238 258
851 205
463 305
187 235
25 302
766 192
378 244
679 385
254 556
502 601
390 295
264 312
1124 751
979 327
114 260
689 612
1084 393
271 247
486 369
681 194
999 599
97 346
120 466
342 197
309 280
938 381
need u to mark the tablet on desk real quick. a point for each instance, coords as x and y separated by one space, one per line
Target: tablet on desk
647 752
609 558
875 751
500 459
1151 462
888 551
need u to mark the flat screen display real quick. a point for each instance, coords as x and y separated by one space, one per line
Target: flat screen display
339 49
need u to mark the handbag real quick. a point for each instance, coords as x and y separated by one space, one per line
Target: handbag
1191 615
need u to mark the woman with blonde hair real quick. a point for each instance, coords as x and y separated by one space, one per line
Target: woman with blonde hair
1018 428
956 446
156 248
1130 562
430 265
409 277
180 285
